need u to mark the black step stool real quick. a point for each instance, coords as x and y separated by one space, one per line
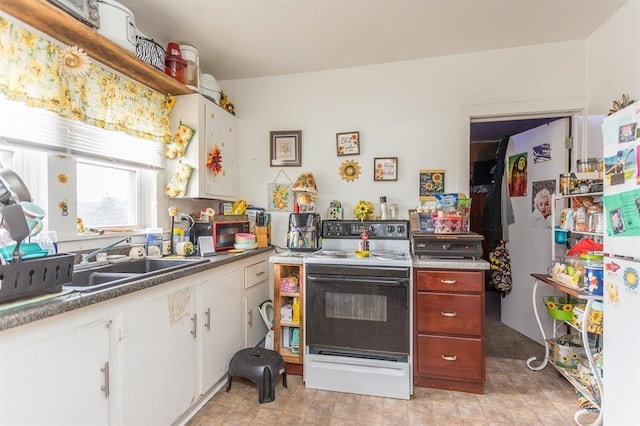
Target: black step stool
262 367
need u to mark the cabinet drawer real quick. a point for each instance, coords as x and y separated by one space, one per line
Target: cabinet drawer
449 313
463 281
451 357
256 273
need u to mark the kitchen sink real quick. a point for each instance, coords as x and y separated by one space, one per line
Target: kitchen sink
113 274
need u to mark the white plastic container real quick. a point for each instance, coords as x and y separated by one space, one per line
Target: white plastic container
118 24
210 88
190 55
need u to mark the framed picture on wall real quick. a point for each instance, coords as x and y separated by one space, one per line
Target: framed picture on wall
431 183
385 168
348 143
285 148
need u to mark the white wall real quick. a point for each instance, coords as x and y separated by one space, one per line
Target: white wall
613 60
406 109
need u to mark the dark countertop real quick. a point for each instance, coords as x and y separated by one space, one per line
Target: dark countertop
27 313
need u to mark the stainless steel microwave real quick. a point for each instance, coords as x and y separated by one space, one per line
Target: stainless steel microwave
84 10
223 233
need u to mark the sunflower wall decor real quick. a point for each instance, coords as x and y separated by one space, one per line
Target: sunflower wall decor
214 161
431 183
350 170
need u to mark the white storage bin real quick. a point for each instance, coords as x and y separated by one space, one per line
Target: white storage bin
210 88
118 24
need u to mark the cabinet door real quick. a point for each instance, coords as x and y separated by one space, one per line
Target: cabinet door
221 139
254 327
57 380
158 361
222 296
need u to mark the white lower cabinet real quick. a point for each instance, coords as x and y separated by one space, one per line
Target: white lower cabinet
158 357
62 378
151 357
221 334
256 284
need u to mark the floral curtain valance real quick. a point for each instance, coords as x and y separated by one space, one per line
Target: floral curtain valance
64 80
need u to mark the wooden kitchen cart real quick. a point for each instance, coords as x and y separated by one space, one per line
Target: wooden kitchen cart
283 294
449 318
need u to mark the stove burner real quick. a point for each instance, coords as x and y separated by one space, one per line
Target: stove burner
331 253
389 255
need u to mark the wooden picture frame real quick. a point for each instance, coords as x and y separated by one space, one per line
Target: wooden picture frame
285 148
348 143
431 183
385 169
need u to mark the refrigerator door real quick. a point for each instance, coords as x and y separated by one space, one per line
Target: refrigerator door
621 342
621 191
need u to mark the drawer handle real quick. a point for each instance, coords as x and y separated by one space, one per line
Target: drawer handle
451 282
260 273
448 314
449 357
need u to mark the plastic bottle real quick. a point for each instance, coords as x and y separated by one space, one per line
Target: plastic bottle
384 210
295 314
364 241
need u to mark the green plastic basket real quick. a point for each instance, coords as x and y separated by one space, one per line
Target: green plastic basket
560 308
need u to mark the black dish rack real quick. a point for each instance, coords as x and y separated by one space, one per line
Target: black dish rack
34 277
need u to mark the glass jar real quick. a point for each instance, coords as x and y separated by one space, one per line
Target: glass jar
580 220
587 165
565 183
594 219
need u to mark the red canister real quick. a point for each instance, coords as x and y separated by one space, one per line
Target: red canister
175 67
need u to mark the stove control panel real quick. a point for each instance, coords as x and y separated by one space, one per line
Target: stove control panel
377 229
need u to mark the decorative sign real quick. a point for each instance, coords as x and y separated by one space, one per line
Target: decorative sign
348 143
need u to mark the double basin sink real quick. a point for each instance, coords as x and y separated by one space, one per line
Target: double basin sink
113 274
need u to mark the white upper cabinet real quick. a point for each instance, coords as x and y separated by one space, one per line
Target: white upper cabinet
212 152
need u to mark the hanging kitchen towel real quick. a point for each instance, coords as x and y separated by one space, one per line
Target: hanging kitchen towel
280 197
500 273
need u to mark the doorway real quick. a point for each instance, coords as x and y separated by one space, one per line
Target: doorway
502 339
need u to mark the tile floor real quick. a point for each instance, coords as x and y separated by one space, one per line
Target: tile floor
514 395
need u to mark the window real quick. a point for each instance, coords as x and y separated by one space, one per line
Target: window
107 195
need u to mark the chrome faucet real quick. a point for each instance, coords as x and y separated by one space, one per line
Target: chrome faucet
86 257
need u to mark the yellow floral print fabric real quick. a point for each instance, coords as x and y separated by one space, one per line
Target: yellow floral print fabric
64 80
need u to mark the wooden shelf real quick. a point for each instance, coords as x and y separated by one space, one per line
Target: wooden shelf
579 294
53 21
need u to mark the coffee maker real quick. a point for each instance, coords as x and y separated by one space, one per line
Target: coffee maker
304 232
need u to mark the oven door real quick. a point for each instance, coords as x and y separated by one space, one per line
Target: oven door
357 311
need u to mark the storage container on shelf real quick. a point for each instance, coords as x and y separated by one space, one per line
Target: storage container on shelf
190 56
210 88
593 273
118 24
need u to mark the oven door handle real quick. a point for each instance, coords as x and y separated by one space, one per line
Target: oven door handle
365 280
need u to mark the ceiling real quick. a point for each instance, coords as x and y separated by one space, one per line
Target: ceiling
239 39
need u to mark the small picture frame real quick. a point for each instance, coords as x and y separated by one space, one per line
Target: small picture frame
385 169
348 143
431 183
285 148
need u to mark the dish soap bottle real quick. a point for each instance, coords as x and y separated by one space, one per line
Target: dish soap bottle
384 210
364 241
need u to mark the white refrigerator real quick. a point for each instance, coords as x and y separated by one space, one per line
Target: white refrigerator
621 339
